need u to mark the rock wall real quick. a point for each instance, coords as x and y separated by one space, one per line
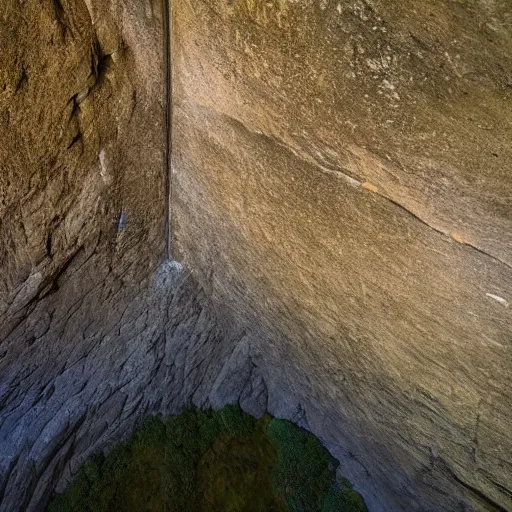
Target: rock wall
97 330
341 209
342 182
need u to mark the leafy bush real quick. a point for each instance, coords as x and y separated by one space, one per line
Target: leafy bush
208 461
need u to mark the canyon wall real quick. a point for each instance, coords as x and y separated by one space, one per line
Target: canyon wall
341 212
97 331
342 183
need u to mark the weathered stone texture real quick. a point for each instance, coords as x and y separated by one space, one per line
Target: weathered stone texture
342 181
95 332
341 207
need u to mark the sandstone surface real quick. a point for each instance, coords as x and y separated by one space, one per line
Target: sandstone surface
341 213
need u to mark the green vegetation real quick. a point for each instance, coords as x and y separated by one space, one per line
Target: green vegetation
205 461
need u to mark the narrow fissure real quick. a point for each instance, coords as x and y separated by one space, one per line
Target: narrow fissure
167 127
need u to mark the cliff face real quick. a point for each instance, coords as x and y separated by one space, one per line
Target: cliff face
96 332
342 181
341 207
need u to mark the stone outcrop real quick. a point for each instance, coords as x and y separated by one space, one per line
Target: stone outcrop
342 182
97 330
341 211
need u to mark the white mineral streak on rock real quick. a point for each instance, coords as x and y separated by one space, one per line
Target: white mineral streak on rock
499 299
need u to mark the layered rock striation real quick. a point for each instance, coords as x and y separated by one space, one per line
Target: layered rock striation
340 211
97 329
342 184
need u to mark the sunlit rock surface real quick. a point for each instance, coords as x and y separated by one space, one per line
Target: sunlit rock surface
341 202
343 185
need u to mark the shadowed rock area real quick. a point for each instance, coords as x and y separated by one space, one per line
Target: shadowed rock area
341 211
96 332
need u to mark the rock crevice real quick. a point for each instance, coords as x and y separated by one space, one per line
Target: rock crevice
317 151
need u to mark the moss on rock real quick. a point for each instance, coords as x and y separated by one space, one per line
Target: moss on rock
212 461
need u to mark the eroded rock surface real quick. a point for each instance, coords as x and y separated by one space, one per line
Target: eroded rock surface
96 331
341 208
342 182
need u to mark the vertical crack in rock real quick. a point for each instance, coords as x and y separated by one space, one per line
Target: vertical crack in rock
328 298
167 20
95 332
